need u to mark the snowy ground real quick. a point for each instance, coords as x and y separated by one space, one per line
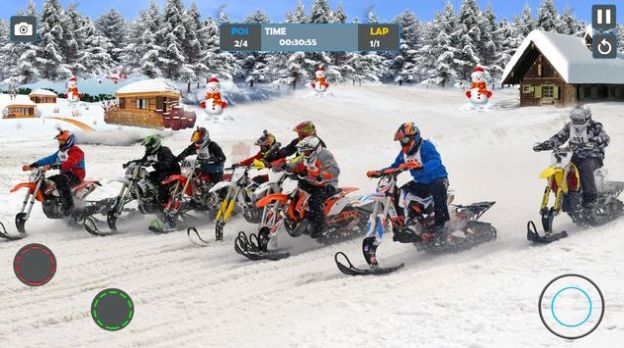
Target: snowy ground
188 296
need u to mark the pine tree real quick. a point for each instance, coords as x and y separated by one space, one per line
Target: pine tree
489 45
113 26
18 61
620 33
320 13
73 39
4 42
94 58
339 14
298 15
525 23
510 41
402 66
254 64
222 16
143 51
568 24
174 34
49 58
546 16
363 67
438 56
468 38
195 55
223 64
370 16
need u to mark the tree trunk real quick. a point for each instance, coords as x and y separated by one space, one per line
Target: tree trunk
251 83
188 87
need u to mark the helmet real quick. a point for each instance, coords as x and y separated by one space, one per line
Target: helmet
65 139
408 135
200 137
309 146
152 144
580 115
265 141
305 129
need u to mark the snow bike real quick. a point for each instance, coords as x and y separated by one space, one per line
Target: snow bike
288 208
238 193
415 226
136 186
564 182
190 190
43 190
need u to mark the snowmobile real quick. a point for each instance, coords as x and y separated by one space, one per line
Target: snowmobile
564 182
136 186
415 226
43 190
288 208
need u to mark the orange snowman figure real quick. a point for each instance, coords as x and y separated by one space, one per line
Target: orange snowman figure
213 102
72 94
320 84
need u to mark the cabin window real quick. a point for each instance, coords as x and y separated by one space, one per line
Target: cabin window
122 103
548 91
141 103
527 89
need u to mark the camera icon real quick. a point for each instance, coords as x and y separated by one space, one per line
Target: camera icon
23 29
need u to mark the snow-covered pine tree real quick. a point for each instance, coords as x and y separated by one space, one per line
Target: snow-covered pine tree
339 14
49 57
320 13
222 64
18 60
438 56
113 26
222 16
294 70
525 23
468 39
4 41
489 45
510 41
298 15
547 16
94 58
568 24
193 48
254 64
174 35
146 46
73 39
364 67
402 66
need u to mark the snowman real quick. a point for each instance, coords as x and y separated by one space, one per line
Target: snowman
478 94
213 104
72 94
319 84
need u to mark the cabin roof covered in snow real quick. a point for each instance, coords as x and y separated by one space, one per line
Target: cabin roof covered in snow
21 100
571 58
41 91
149 86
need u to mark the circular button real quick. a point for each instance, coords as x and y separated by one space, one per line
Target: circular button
571 306
34 264
112 309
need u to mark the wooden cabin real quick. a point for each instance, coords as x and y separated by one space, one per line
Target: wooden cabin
552 68
42 96
20 108
150 104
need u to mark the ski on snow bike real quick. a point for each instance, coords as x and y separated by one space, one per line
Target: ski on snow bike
564 182
39 188
415 225
135 186
343 221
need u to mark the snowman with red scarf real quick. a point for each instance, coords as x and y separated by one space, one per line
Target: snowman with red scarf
478 94
72 94
319 84
213 103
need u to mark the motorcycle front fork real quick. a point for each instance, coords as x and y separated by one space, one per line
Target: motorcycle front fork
29 200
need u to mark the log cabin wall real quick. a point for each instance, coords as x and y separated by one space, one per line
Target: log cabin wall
541 84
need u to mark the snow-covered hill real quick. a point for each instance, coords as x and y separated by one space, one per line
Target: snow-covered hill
187 296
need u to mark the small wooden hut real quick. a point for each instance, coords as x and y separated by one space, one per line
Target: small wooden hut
20 107
42 96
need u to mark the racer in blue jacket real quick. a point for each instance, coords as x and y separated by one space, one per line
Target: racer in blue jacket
432 178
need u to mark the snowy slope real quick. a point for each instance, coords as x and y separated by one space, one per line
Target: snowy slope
210 297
